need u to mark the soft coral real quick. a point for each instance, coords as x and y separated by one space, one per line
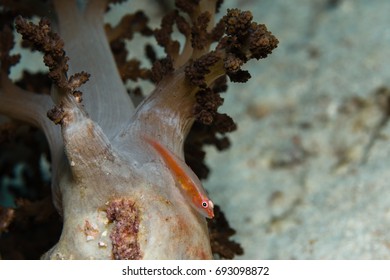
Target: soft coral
105 159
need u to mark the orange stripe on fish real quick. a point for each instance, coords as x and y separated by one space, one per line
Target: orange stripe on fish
190 185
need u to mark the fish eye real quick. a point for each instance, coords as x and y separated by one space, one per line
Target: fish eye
205 204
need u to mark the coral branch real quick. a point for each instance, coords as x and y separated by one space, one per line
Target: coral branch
67 111
220 232
48 42
6 45
194 97
105 97
18 103
129 25
24 106
125 30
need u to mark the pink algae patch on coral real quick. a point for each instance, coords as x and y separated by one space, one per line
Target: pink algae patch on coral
124 214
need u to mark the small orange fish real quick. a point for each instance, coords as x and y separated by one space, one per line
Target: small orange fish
190 185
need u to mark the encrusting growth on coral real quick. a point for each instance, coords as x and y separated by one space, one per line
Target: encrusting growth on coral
125 217
117 198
